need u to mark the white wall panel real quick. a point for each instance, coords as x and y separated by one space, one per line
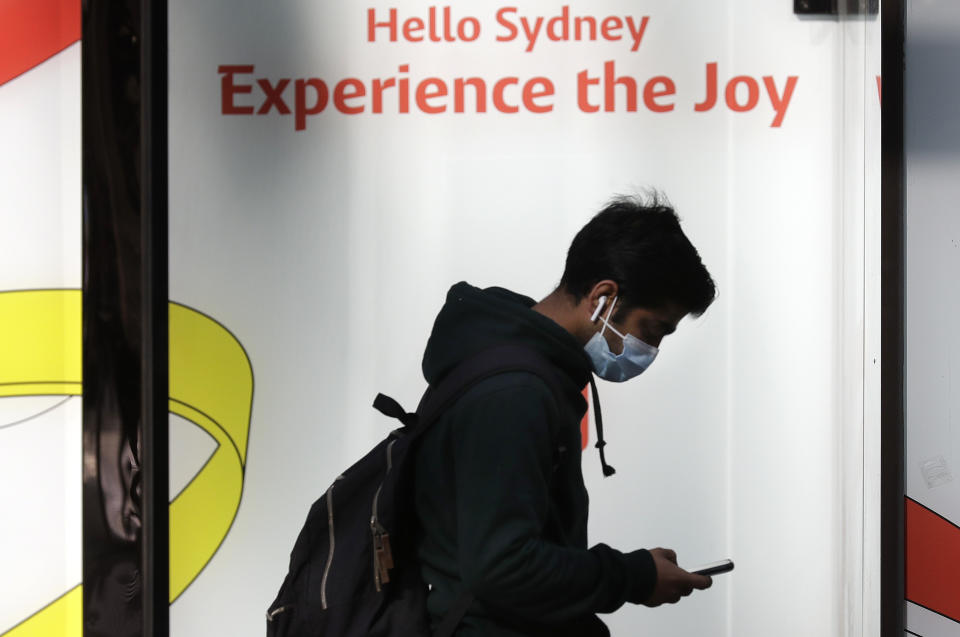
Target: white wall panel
40 247
327 251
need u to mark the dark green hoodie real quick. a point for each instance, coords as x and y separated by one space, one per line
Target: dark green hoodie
499 489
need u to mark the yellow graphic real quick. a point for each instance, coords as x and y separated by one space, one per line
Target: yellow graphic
211 384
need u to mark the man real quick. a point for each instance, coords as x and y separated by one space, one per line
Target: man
499 490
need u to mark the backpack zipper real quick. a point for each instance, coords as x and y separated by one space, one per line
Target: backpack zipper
382 558
326 569
273 613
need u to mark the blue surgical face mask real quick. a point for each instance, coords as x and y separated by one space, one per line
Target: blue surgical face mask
632 361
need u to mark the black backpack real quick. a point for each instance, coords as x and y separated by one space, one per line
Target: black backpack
353 570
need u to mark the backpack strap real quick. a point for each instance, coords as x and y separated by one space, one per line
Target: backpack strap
438 398
500 359
510 357
452 619
390 407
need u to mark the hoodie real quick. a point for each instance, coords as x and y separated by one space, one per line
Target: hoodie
498 486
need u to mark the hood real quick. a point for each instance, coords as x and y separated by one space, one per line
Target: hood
473 319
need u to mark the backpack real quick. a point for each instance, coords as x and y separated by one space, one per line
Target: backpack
353 569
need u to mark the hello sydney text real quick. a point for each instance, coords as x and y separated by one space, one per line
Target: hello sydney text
591 88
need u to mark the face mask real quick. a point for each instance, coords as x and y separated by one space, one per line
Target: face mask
635 358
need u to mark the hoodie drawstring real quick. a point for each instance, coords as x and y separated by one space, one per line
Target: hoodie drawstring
598 421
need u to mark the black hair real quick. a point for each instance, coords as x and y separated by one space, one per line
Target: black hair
637 242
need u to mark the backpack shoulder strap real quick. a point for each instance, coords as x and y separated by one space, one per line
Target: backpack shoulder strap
500 359
438 398
454 616
510 357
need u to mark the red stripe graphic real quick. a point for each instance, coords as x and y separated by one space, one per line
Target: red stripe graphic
32 31
933 561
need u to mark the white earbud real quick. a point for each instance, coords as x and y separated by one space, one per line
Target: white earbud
596 312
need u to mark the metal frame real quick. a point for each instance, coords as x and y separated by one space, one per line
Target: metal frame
125 457
125 514
892 321
154 299
835 7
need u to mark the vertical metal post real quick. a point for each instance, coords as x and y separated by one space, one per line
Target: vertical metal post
125 529
892 321
154 299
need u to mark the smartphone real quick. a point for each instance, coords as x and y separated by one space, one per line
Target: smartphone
715 568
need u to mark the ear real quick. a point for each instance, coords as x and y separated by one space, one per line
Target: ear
600 295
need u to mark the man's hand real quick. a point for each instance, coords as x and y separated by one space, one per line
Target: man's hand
672 581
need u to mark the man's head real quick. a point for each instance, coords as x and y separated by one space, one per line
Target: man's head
634 250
